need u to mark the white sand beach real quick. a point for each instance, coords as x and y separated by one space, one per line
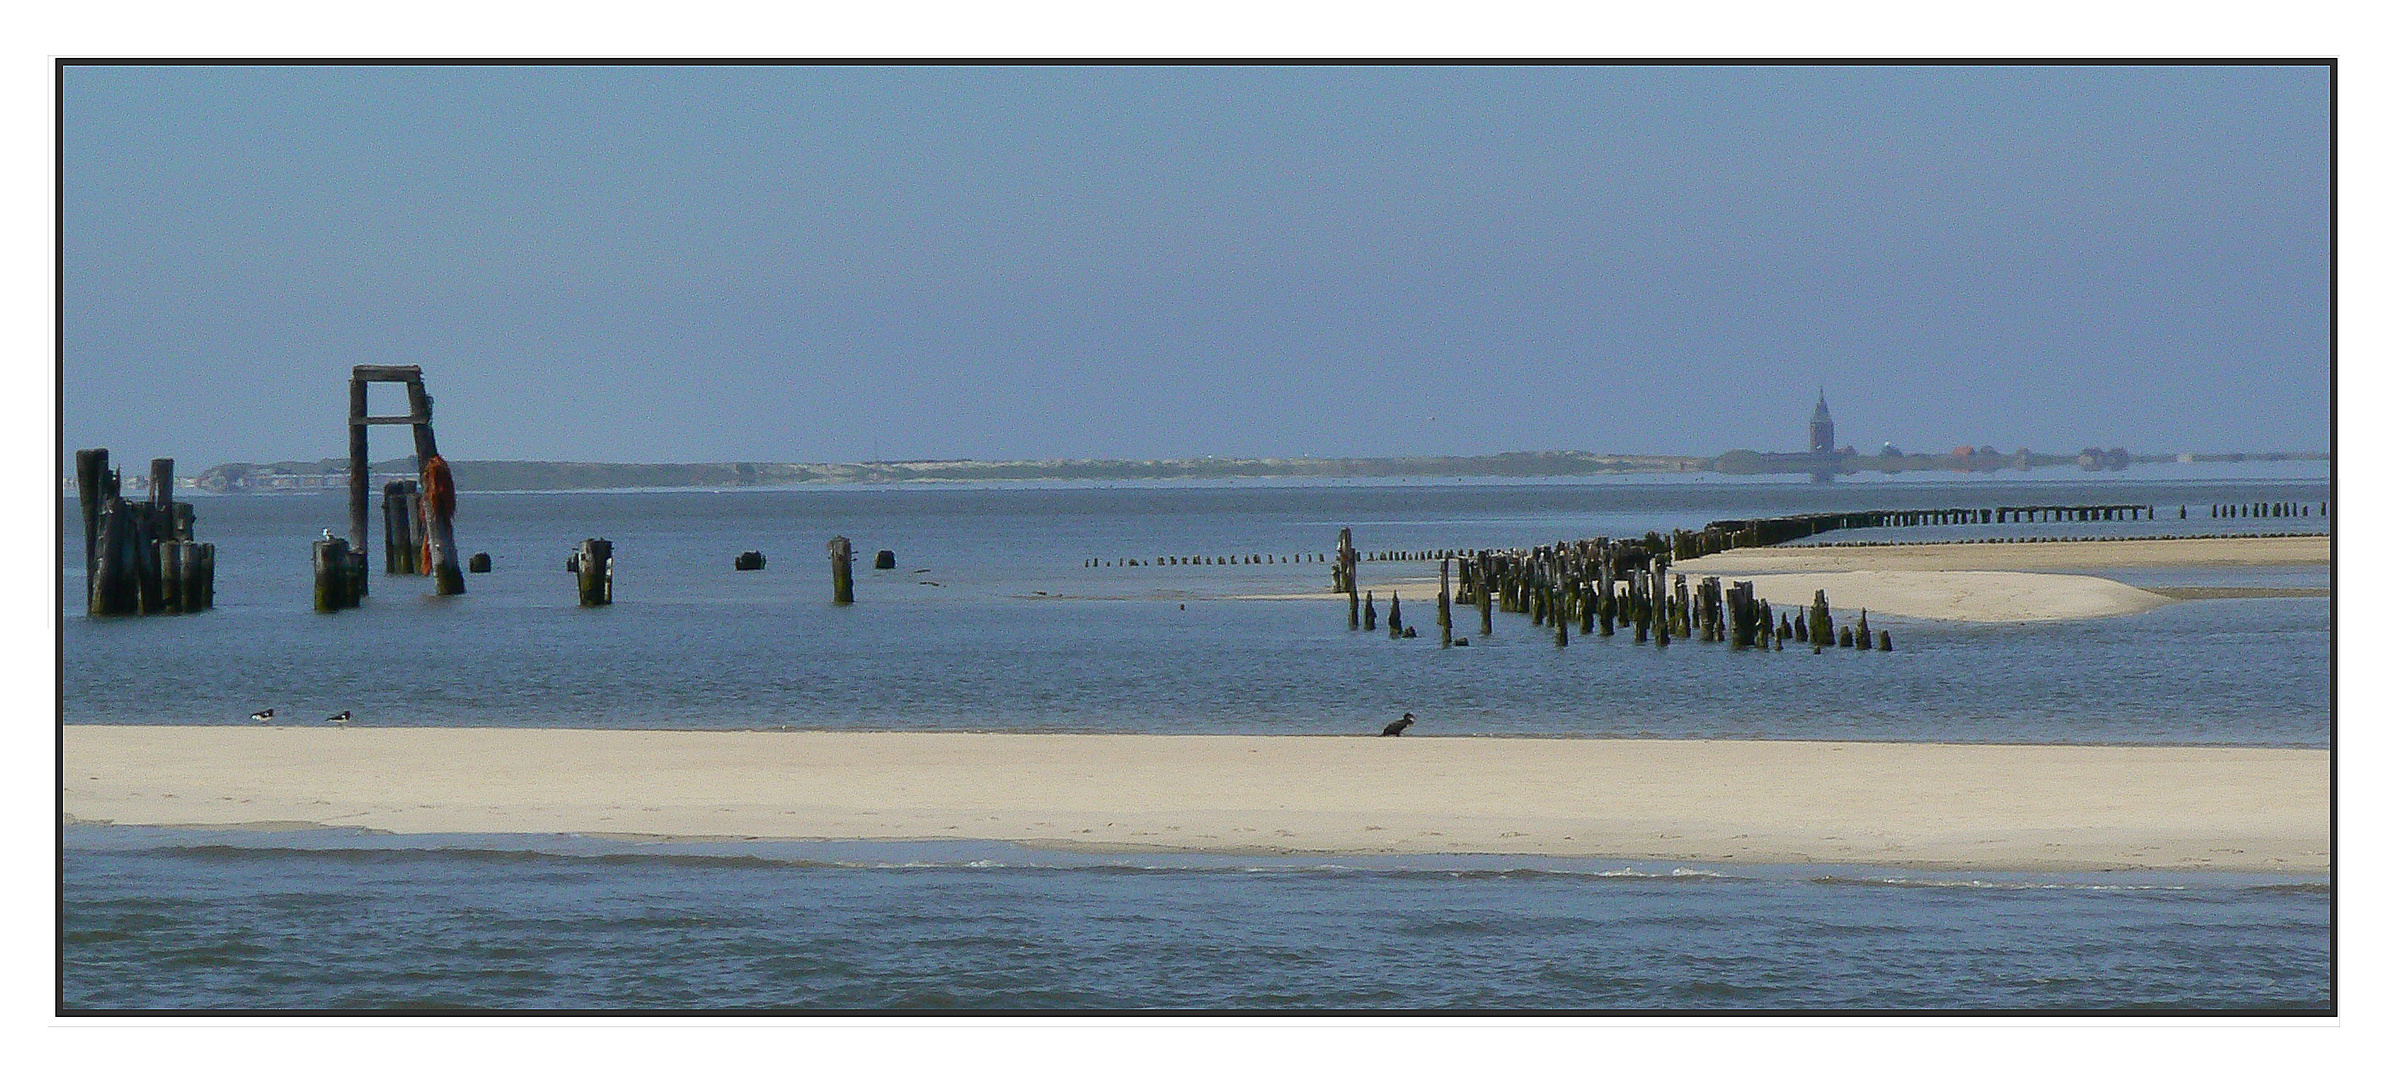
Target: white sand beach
1896 804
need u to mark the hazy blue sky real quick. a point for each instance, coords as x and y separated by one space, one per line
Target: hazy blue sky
706 264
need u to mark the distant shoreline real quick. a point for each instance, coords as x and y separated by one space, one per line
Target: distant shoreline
332 474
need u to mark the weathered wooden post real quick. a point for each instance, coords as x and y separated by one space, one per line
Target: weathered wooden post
441 501
1864 631
170 577
1483 588
479 563
886 559
395 528
1819 621
1370 622
1847 637
1885 641
838 551
1344 579
1446 635
595 573
162 482
340 574
1395 628
358 463
91 470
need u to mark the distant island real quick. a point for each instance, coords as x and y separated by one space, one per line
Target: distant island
333 473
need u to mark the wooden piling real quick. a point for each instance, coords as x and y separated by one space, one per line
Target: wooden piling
1446 634
1482 598
1395 628
1819 621
595 573
1885 641
162 482
340 574
886 559
1369 611
170 577
837 550
358 462
1344 579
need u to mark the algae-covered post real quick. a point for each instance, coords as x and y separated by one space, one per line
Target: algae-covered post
340 574
837 549
91 468
595 573
1445 635
441 498
1344 578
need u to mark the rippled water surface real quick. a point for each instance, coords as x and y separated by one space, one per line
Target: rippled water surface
349 922
970 631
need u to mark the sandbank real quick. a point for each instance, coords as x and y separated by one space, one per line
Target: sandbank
2065 808
2060 555
1965 582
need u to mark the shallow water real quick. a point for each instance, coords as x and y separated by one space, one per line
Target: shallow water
691 643
351 922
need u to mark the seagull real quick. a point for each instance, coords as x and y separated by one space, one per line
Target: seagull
1399 726
263 715
328 534
342 717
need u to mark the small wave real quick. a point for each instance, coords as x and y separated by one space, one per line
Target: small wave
1979 883
2297 888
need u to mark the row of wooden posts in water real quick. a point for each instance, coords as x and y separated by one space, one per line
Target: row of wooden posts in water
594 566
140 558
1600 586
1729 535
2267 510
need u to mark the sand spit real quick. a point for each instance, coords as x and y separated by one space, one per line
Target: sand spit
1897 804
2088 555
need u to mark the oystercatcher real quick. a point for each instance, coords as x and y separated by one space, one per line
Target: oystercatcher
263 715
1399 726
342 717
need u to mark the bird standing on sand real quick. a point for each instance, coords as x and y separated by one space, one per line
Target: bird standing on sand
342 717
1399 726
263 715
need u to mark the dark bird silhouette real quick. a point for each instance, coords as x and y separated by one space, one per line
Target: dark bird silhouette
263 715
342 717
1399 726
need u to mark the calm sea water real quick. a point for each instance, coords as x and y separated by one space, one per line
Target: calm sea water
1018 635
226 921
970 631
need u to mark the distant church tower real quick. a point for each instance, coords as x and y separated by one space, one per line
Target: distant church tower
1819 430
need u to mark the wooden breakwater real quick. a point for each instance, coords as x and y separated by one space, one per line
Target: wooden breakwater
1603 586
140 557
1730 535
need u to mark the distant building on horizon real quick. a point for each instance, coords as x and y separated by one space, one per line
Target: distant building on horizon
1823 459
